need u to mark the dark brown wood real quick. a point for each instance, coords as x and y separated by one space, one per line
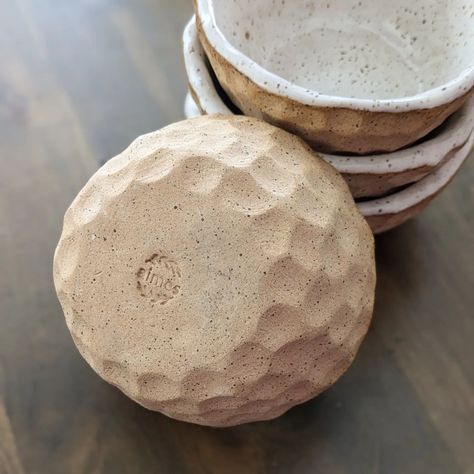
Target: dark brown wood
78 81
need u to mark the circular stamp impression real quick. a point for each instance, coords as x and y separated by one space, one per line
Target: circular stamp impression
159 279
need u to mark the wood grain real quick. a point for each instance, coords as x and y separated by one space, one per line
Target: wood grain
10 462
79 80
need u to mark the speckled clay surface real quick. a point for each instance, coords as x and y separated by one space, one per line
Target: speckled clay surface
217 271
391 211
348 76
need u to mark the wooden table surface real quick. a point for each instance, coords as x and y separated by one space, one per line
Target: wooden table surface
78 81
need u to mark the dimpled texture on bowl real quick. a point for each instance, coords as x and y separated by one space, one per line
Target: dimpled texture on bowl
217 271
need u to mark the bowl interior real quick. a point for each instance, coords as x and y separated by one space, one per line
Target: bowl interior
368 49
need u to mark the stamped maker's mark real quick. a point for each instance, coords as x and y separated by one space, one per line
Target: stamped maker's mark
159 279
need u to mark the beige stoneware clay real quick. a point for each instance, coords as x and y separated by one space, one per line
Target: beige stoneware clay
217 271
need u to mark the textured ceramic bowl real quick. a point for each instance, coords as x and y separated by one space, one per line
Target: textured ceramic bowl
367 176
390 211
202 274
347 76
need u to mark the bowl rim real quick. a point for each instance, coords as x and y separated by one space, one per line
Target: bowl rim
429 152
268 81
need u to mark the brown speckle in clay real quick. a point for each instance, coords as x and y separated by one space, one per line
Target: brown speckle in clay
217 271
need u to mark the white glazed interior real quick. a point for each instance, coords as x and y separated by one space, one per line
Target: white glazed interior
365 54
427 153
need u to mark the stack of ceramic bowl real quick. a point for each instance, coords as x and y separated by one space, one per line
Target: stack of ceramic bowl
379 89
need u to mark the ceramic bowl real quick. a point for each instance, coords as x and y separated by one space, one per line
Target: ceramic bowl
367 176
348 76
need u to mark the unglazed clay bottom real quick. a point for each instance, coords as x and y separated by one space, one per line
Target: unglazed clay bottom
217 271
